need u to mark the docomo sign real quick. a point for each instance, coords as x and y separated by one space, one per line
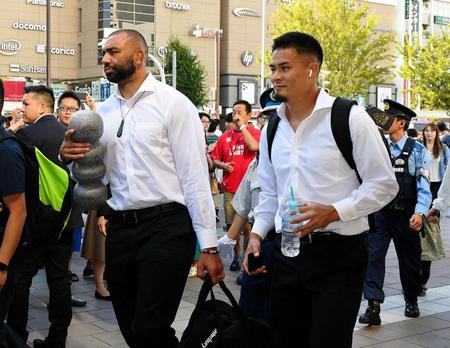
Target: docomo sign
44 2
27 26
177 6
9 47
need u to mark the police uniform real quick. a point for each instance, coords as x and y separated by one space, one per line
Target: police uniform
392 222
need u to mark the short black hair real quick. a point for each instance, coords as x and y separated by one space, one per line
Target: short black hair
135 35
44 92
411 132
213 125
69 94
248 107
229 117
442 126
204 114
302 42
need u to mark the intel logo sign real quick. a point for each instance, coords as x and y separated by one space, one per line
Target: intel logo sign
9 47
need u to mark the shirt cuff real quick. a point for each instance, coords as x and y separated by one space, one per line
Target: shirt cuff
421 209
261 229
207 239
346 209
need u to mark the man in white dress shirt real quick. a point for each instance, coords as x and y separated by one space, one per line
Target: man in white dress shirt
315 296
157 171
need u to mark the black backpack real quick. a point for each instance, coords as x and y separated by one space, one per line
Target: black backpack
48 192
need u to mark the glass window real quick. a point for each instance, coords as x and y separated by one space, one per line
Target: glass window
145 2
125 7
145 9
145 18
125 15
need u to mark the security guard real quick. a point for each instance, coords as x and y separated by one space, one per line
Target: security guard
400 220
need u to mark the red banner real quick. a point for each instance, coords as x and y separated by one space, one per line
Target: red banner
14 90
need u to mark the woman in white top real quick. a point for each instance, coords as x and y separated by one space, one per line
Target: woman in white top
437 157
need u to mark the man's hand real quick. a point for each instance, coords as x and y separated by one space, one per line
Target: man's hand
316 216
213 264
102 225
3 275
434 215
17 125
415 223
90 102
254 246
228 167
71 150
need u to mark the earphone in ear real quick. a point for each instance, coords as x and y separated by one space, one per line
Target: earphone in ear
310 73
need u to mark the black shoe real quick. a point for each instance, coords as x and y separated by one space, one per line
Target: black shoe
38 343
235 266
73 277
88 271
239 279
101 297
372 314
423 292
412 310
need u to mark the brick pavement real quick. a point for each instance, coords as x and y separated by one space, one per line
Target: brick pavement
95 325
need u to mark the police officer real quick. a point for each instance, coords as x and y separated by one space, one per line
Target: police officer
400 220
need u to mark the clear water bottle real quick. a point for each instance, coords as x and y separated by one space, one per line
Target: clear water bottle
290 242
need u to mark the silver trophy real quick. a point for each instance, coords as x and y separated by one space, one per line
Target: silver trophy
89 193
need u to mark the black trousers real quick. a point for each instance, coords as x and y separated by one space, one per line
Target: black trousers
55 254
7 292
315 296
147 264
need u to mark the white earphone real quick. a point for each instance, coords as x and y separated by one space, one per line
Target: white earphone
310 73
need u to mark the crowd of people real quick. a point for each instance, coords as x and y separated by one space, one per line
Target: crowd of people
159 224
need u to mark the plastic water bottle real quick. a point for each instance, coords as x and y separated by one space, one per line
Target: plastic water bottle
290 242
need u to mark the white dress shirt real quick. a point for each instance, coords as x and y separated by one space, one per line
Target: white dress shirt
310 161
160 157
442 202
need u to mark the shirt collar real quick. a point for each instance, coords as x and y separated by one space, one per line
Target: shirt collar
36 120
400 143
148 85
324 100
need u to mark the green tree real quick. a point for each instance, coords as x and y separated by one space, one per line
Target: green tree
428 70
191 74
355 54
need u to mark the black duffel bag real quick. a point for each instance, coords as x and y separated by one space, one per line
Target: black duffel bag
217 324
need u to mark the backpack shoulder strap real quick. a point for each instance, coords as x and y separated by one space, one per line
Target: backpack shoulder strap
407 149
340 114
272 126
6 135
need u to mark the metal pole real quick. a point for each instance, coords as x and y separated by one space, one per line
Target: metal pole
159 66
217 38
174 69
263 44
48 46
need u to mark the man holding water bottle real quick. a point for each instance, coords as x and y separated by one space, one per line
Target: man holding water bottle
315 295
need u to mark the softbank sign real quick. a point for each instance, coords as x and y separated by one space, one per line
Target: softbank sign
27 26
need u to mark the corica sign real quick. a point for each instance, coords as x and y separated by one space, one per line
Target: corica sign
62 51
246 12
9 47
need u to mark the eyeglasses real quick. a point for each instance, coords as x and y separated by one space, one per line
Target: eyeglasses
66 108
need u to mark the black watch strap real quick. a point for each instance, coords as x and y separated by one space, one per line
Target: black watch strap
3 267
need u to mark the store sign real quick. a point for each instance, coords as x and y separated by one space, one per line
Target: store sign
177 6
415 16
27 26
441 20
14 90
44 2
40 48
162 51
31 69
206 32
246 12
247 58
9 47
383 29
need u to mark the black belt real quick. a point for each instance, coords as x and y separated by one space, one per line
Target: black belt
126 217
325 236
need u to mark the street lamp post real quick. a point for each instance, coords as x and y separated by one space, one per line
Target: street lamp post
263 44
48 48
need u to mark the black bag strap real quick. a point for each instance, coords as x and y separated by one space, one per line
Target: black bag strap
340 114
407 149
272 126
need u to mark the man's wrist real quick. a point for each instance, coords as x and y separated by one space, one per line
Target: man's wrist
243 127
211 251
255 235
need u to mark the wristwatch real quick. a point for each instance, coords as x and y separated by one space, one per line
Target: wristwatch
3 267
213 251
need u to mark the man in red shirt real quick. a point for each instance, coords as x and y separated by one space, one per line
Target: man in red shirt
233 153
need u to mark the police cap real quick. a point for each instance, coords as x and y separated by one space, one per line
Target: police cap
267 101
398 110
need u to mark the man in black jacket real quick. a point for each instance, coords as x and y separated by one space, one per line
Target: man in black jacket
47 245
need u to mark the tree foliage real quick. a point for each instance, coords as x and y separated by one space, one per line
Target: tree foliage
355 54
191 74
428 70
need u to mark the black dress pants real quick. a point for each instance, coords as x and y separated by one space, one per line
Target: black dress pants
315 296
55 254
7 292
147 264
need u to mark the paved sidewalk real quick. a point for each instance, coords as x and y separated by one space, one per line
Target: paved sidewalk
95 325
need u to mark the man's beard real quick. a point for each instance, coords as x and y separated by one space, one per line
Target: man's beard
120 73
279 98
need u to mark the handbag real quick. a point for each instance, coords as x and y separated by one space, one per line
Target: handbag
217 324
431 243
214 184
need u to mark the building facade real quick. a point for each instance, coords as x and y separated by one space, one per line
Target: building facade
226 35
